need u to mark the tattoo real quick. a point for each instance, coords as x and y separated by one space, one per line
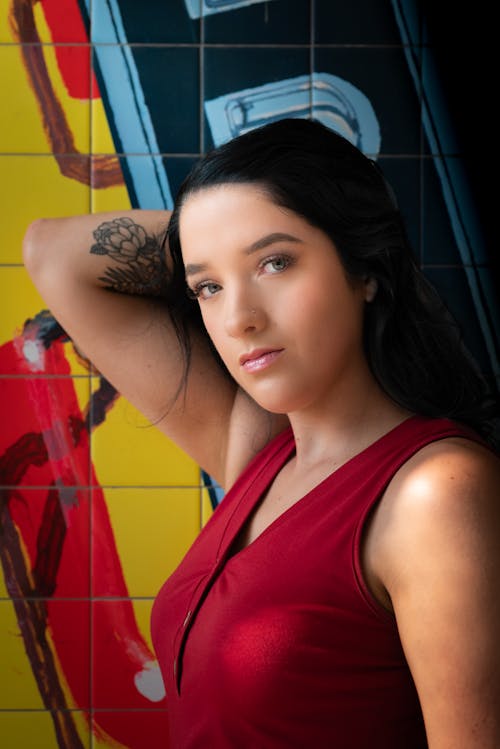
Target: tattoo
142 267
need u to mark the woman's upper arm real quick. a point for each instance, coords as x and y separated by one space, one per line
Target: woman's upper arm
128 336
442 571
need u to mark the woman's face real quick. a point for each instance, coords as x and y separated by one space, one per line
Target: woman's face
274 297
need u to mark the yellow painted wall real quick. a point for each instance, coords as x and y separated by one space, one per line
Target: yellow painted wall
152 491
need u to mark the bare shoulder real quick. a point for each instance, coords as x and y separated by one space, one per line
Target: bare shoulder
434 551
448 490
446 479
449 487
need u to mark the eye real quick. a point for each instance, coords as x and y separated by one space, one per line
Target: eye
276 264
203 290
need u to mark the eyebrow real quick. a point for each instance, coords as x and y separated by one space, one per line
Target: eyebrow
259 244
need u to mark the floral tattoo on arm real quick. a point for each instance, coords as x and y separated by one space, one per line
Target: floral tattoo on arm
141 267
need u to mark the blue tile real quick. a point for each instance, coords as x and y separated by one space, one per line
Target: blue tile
374 73
151 96
277 22
355 22
152 182
129 21
439 126
409 17
170 81
177 168
403 175
451 231
438 241
345 108
455 284
245 88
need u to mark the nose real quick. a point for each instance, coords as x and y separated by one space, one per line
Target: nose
243 314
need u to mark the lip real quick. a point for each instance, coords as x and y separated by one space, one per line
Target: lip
259 359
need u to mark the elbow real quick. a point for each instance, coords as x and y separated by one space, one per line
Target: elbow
32 245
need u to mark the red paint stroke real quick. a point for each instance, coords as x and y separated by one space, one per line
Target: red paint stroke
59 509
66 26
100 171
31 615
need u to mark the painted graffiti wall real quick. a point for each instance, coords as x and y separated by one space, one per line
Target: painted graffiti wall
106 104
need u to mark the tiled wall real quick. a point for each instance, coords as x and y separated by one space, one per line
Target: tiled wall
96 506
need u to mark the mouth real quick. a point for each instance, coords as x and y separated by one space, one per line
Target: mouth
259 359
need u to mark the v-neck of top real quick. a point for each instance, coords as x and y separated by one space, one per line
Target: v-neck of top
280 450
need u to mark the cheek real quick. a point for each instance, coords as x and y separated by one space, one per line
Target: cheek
214 327
307 305
209 322
326 314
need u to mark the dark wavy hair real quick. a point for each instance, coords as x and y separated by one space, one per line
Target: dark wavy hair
413 345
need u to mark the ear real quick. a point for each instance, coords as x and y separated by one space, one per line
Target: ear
371 287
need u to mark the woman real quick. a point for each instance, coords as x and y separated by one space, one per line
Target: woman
346 592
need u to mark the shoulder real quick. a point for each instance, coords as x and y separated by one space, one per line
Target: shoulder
437 552
441 508
449 487
447 479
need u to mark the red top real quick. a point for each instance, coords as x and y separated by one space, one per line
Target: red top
282 645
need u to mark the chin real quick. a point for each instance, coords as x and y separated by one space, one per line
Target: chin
277 404
268 403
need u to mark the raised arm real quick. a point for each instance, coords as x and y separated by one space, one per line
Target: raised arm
78 265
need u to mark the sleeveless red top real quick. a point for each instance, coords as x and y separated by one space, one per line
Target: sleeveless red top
281 645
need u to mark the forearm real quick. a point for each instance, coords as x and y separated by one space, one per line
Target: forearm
122 251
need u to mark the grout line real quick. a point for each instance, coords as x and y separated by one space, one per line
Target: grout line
214 45
114 487
312 55
201 82
429 156
91 112
90 495
422 150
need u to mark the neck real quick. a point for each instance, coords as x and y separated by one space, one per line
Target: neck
344 426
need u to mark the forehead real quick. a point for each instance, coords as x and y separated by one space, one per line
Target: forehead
237 213
225 226
243 207
213 196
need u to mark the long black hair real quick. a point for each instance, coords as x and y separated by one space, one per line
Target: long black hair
413 345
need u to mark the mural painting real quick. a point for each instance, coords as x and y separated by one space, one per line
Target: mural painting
96 507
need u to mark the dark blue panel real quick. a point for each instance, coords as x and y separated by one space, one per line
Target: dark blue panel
229 70
382 76
453 287
403 174
177 168
170 82
459 123
156 21
276 22
446 183
440 129
439 245
452 233
355 22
